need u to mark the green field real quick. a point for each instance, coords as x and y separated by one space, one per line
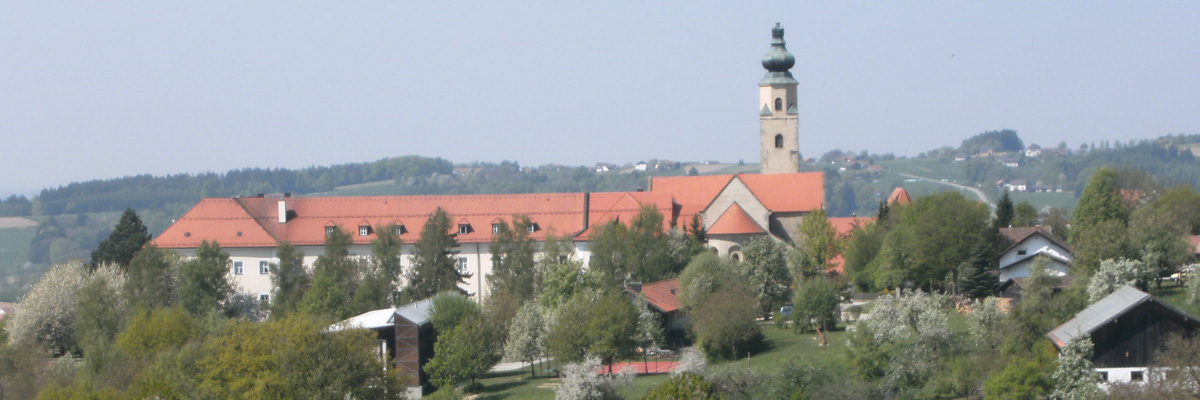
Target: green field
783 347
927 168
1065 200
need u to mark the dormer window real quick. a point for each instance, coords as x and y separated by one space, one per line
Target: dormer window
495 228
399 230
464 229
533 227
329 230
364 230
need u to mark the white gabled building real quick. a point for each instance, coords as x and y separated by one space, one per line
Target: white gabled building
1028 244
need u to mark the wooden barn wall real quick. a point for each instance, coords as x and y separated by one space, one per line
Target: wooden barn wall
1132 339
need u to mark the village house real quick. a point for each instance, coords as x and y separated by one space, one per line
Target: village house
404 334
1126 328
1028 244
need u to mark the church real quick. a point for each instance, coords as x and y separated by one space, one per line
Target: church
733 208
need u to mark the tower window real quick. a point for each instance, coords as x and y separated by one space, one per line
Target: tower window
779 140
778 104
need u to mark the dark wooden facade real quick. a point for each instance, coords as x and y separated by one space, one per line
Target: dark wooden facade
1132 339
413 349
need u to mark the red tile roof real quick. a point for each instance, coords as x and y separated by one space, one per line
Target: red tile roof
254 221
795 192
661 294
899 195
844 225
734 221
1194 240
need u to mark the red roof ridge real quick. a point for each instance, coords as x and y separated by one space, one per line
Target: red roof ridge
735 220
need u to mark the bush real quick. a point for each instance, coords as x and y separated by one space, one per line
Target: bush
683 386
724 326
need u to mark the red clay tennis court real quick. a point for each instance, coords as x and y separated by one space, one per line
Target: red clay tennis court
642 368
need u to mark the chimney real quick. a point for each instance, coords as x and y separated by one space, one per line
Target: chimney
282 212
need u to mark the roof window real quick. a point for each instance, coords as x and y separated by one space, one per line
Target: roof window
464 229
364 230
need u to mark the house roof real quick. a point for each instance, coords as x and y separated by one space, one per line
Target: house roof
254 221
417 312
844 225
661 294
1102 312
1018 235
792 192
1194 241
899 195
733 221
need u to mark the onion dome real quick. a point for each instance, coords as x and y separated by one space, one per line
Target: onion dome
778 59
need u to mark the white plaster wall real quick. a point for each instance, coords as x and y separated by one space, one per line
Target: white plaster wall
1122 375
1022 269
1032 246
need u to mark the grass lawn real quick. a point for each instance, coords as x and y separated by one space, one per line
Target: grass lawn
1176 295
1065 200
14 248
927 168
783 347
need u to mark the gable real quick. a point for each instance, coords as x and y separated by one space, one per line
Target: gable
736 192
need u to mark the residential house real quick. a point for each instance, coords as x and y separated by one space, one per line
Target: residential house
1027 245
641 166
404 335
662 297
1126 328
1016 185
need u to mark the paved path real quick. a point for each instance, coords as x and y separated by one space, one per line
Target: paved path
974 190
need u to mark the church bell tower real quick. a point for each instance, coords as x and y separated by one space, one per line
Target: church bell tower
778 116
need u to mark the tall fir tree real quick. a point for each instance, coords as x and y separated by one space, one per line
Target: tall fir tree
513 259
125 240
333 279
1004 211
434 265
978 279
290 279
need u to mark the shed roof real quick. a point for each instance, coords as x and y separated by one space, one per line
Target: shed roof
1104 311
417 312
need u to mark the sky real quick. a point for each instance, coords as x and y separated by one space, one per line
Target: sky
98 90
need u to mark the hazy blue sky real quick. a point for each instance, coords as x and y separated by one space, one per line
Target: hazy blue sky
93 90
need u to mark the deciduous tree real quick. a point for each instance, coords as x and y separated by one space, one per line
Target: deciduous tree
765 271
463 353
513 259
203 284
527 335
153 277
290 279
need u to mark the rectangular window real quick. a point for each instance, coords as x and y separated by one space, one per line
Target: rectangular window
264 298
1020 252
1103 376
1137 376
462 265
364 230
464 229
399 230
495 228
237 268
264 268
532 228
328 230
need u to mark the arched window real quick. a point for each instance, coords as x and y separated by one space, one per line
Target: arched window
778 104
779 140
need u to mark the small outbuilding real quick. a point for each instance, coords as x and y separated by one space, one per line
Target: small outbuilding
662 297
405 336
1127 328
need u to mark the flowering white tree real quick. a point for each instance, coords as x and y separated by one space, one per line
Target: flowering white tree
47 314
986 320
691 360
1193 281
921 314
1112 275
1073 376
582 381
527 335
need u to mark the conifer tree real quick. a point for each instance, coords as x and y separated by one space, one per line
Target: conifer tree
290 279
434 266
1004 211
978 280
513 263
125 240
203 286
